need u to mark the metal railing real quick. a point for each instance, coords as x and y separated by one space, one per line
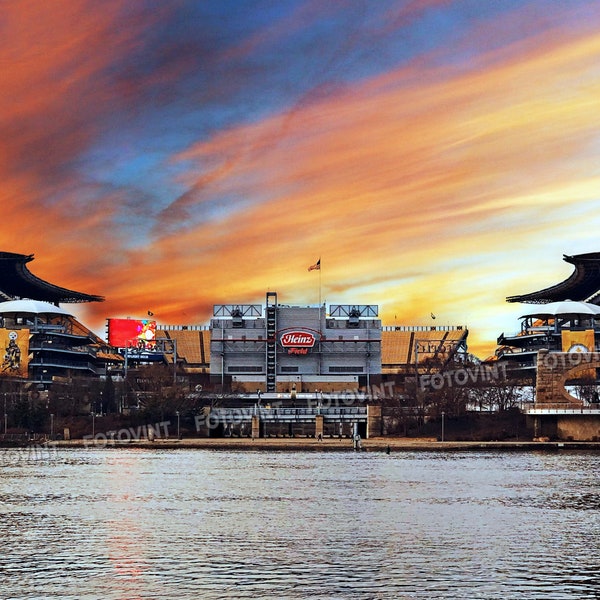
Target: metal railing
563 409
290 415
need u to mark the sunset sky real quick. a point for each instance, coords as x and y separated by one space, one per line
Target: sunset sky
437 155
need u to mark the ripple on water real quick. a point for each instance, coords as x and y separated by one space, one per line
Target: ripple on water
190 524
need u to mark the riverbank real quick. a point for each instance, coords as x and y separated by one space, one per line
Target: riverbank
382 444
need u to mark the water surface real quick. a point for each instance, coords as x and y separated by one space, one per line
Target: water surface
189 524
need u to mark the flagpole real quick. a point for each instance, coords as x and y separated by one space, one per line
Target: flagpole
320 269
317 266
321 318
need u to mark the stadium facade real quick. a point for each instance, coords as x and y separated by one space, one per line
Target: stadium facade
288 350
279 348
557 349
42 342
562 319
294 347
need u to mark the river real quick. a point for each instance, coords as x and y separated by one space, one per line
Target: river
195 524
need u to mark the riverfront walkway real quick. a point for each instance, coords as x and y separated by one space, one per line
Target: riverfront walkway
380 444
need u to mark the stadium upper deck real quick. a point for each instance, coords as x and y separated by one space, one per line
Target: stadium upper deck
52 342
402 347
17 282
193 346
583 284
559 332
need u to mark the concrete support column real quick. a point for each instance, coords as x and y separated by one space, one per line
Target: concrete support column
319 427
374 420
255 426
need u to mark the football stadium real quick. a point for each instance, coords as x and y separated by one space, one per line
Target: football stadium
295 358
245 348
247 354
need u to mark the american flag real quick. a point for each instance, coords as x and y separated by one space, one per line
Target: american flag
316 266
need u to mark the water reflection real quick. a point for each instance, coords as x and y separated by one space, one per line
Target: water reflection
125 537
196 524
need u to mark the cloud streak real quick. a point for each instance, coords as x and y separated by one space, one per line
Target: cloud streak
422 174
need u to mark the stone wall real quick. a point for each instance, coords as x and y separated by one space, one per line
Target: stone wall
555 368
582 428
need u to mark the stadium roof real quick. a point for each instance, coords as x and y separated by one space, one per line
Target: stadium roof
583 284
16 282
35 307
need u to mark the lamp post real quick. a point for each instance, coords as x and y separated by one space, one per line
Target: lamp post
51 426
443 414
178 436
175 361
93 423
222 372
5 415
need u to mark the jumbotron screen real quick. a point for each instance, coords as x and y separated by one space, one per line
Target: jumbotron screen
132 333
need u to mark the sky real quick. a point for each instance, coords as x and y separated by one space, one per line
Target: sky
436 155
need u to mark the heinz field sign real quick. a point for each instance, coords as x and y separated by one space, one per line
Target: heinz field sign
297 342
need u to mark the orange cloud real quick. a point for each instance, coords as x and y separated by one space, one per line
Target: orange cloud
422 189
399 176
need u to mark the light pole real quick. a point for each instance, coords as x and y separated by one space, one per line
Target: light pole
93 423
443 414
222 372
178 436
51 426
5 415
175 361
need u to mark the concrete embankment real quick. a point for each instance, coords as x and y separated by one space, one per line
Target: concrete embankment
382 444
